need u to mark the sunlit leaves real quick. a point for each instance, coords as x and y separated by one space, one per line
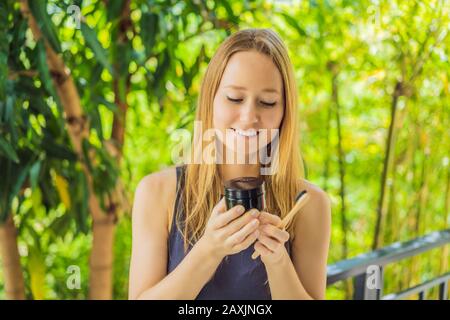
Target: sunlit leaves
37 269
43 68
63 189
149 30
44 21
100 53
7 150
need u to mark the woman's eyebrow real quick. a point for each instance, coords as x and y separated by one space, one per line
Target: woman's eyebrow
244 88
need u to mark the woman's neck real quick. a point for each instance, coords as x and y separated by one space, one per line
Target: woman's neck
231 171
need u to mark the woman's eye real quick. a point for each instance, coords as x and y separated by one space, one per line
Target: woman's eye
269 104
234 100
264 103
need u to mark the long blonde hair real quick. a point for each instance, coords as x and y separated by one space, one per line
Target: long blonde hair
203 186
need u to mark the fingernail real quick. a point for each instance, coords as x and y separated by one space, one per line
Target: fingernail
254 213
254 222
240 209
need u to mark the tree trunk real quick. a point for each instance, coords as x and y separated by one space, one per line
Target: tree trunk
341 156
423 193
333 68
14 283
101 259
445 252
381 208
119 120
103 242
326 169
78 129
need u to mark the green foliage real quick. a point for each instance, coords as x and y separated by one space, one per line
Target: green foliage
156 67
39 10
92 42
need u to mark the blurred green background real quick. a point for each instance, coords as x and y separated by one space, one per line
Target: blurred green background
91 103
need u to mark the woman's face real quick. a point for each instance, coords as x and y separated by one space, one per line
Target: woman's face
249 99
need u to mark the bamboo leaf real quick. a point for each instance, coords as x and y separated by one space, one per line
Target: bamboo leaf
293 23
8 150
231 16
4 50
20 173
36 200
149 29
42 65
59 151
60 225
39 11
96 121
101 100
163 66
92 42
114 9
63 189
34 174
85 146
82 211
36 267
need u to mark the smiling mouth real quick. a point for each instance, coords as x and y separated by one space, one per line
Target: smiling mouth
246 133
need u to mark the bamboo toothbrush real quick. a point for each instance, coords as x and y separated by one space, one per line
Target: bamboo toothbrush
300 201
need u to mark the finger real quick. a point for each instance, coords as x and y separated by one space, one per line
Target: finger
220 207
224 218
260 249
239 236
247 242
274 232
240 222
270 243
269 218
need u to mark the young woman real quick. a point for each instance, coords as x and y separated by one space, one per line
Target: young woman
186 244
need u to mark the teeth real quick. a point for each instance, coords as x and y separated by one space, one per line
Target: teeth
247 133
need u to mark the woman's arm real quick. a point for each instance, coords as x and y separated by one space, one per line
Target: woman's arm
148 269
303 277
311 243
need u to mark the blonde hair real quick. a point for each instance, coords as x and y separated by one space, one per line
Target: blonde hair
203 186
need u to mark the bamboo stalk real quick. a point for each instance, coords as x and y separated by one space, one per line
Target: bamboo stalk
78 128
14 282
390 144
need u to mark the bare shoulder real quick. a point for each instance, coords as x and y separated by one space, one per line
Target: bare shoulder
317 194
157 191
318 208
164 178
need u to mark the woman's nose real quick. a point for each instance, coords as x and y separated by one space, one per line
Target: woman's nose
249 113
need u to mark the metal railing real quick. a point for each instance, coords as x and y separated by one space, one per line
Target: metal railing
360 269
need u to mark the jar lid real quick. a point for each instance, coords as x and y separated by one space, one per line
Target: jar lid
244 187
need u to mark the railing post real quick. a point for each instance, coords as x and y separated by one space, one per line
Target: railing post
422 295
443 288
362 290
359 284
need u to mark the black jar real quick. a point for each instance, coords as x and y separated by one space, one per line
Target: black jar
246 191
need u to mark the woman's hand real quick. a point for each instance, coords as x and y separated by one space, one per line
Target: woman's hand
229 232
271 240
